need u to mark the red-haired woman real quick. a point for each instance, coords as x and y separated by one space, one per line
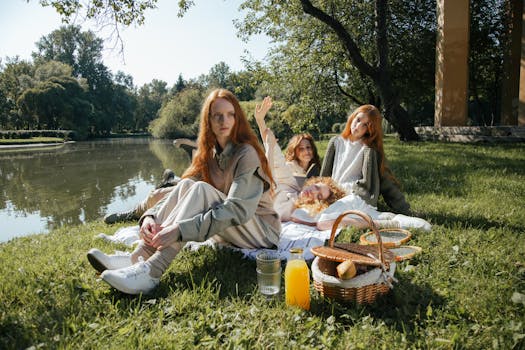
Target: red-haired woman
225 192
356 160
302 157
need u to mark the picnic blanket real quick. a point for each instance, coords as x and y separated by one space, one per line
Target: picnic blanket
292 235
295 235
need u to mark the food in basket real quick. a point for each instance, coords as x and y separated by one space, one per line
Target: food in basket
346 270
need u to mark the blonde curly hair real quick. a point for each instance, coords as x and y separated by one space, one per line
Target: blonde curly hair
316 206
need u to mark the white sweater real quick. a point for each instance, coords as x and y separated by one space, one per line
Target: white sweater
348 162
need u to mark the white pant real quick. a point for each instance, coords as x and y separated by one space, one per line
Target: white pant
185 201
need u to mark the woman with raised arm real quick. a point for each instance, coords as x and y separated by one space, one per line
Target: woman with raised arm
303 204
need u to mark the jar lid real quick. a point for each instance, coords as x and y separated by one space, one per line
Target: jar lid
296 250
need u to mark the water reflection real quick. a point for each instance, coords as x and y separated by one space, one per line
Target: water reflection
46 188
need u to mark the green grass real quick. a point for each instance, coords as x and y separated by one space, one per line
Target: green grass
31 140
463 292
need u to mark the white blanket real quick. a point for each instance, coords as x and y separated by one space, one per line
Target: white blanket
354 202
293 235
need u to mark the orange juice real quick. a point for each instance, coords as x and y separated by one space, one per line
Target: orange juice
297 281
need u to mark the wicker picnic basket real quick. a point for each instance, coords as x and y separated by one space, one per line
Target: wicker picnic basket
365 287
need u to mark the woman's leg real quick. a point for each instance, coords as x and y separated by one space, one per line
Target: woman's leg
175 196
198 199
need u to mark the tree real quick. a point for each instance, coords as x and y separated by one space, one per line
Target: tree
347 29
180 84
374 51
487 42
83 52
179 117
219 76
57 103
11 74
150 99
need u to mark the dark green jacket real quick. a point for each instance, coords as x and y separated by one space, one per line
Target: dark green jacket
371 185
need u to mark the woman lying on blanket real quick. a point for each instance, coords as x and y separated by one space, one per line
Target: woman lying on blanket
226 191
304 205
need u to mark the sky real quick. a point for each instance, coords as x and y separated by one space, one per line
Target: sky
162 48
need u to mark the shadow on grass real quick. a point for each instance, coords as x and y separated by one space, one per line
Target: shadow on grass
478 221
222 269
402 308
432 168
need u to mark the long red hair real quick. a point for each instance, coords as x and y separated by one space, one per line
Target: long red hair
206 141
373 138
293 144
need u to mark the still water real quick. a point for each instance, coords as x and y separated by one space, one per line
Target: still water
41 189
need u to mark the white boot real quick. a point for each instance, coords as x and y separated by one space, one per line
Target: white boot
134 279
102 262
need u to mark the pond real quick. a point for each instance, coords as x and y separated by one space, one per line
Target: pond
45 188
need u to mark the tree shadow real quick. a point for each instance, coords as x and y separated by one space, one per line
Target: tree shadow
402 308
478 221
222 270
428 168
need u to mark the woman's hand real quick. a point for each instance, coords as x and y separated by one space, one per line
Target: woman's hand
166 237
148 229
260 112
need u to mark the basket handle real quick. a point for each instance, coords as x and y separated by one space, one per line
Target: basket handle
371 224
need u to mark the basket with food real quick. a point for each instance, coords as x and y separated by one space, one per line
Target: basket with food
352 272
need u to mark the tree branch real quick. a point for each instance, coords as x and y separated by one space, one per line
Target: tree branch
381 34
343 91
350 45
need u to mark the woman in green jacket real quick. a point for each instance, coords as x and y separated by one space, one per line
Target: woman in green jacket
356 161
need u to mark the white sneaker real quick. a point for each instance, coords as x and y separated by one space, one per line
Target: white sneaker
194 246
102 262
134 279
408 222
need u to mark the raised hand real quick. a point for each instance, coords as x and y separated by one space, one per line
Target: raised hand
260 112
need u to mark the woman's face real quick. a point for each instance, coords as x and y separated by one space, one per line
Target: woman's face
222 120
317 191
304 152
359 126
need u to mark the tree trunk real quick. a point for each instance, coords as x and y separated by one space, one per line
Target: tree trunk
393 111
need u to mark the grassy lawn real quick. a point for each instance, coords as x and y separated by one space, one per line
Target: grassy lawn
466 291
31 140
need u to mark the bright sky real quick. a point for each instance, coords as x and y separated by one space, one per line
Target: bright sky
164 47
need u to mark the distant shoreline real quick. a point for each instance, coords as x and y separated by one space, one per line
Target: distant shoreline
31 145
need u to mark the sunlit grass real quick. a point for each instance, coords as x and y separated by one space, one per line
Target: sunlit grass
463 292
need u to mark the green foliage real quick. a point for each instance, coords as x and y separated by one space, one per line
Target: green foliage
31 134
487 42
275 119
56 103
117 12
179 117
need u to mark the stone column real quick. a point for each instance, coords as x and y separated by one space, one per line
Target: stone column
512 80
452 63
